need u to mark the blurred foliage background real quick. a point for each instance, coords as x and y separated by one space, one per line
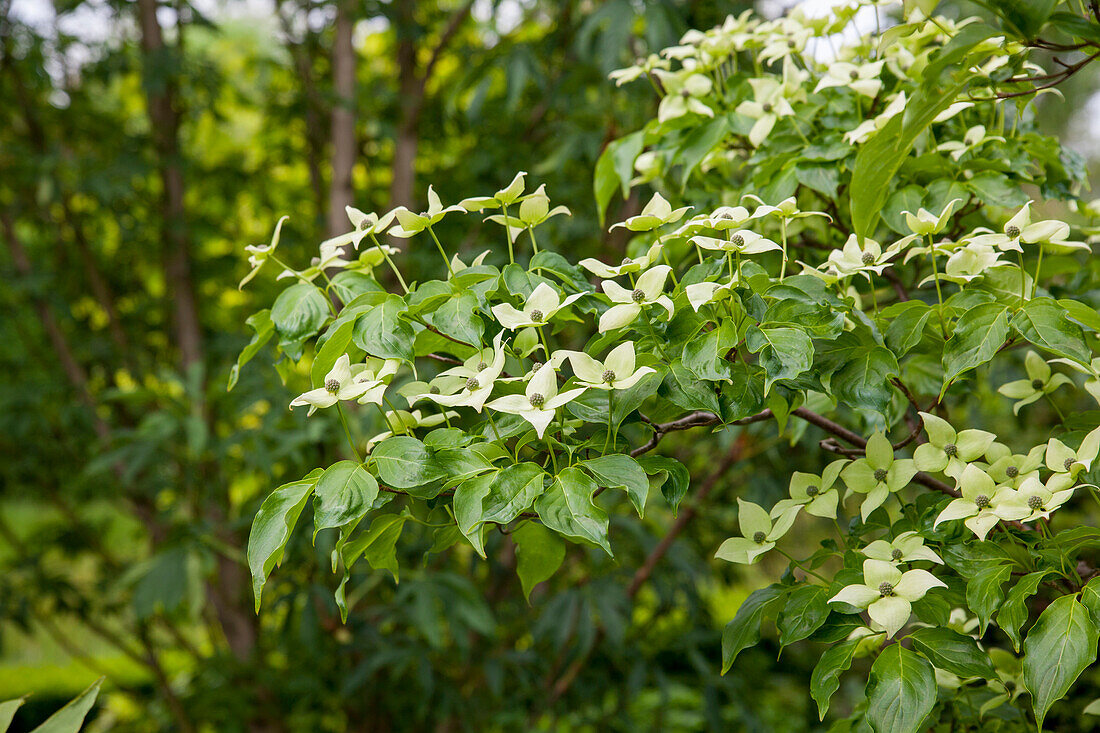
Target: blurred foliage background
142 145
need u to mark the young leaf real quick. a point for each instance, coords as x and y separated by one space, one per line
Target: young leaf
1013 613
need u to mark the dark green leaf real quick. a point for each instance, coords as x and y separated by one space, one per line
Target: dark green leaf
952 652
1060 645
744 630
901 692
825 679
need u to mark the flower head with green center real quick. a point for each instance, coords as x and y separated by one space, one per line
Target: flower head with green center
966 263
363 225
861 258
617 371
1021 229
863 80
863 132
1092 384
974 138
982 503
1067 464
887 593
759 533
682 92
818 494
1009 469
877 474
699 294
1040 499
627 266
258 253
410 223
655 213
540 401
540 306
504 197
480 373
1039 382
948 450
768 105
742 242
628 304
906 547
924 222
340 384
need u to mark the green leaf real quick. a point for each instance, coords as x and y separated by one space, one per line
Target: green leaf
1090 599
499 497
403 462
878 160
539 554
344 493
901 691
784 352
984 593
377 546
995 189
271 529
1084 314
614 169
349 285
567 508
906 328
298 313
980 332
744 630
825 179
1045 323
334 347
951 651
705 355
825 679
803 614
1013 612
697 145
670 475
1057 649
261 324
70 718
383 333
864 381
8 709
458 318
1025 17
621 472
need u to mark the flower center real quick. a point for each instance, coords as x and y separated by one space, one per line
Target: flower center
332 386
1012 472
1012 231
637 296
1035 502
880 475
813 490
536 315
685 93
767 108
1037 384
536 366
853 74
886 589
608 376
725 215
867 258
537 400
791 44
981 501
433 390
896 555
759 538
626 261
737 240
1068 463
951 449
482 366
472 384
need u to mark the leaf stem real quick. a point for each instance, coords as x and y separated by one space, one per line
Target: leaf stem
390 263
442 253
347 432
508 233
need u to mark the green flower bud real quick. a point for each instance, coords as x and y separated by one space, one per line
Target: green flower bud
537 400
886 589
759 537
637 296
332 386
472 384
981 501
880 474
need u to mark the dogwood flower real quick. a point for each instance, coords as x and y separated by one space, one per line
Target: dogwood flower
641 68
947 450
410 223
1040 382
1020 228
817 494
877 474
855 258
767 106
864 130
481 372
363 225
457 265
535 208
616 371
628 265
1067 463
982 503
699 294
540 401
655 213
967 263
785 209
860 79
682 91
924 222
1040 499
906 547
258 253
504 197
628 304
974 138
759 533
888 594
1010 469
742 242
727 217
339 384
1092 384
541 305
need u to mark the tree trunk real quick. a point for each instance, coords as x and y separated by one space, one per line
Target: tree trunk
343 120
409 95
